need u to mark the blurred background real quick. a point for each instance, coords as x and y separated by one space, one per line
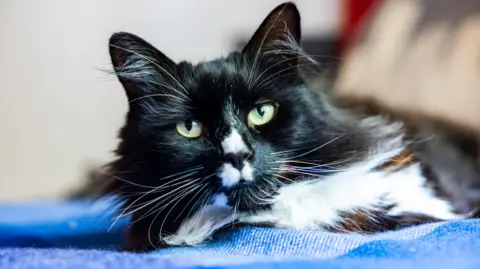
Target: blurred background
59 113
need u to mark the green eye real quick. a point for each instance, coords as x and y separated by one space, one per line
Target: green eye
190 128
261 114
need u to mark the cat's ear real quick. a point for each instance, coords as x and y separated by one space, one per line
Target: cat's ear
281 28
140 67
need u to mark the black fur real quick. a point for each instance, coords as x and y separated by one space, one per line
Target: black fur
219 94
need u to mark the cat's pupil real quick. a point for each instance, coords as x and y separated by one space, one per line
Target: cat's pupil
260 111
188 125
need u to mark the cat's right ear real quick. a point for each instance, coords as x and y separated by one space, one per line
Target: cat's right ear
140 67
281 26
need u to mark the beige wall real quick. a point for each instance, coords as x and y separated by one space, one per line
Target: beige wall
58 112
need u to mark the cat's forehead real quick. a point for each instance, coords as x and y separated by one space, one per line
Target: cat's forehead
220 82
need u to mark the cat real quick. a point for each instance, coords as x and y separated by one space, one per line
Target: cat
244 139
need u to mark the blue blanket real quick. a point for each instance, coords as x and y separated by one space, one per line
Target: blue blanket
76 235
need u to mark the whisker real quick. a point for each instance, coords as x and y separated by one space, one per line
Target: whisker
263 85
126 181
174 205
259 85
287 151
284 178
315 149
273 65
202 204
156 95
122 214
199 191
316 169
155 208
312 163
182 172
150 229
259 201
300 173
309 57
202 191
234 214
166 195
179 196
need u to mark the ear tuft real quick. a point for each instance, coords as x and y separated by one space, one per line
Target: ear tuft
140 67
282 25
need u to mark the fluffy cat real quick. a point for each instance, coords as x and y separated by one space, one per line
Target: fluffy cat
243 139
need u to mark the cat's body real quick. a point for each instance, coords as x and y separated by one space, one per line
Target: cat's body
244 139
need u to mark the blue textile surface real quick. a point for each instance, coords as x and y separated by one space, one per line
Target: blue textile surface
75 235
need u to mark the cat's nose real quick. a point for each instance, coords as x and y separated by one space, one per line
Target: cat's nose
238 160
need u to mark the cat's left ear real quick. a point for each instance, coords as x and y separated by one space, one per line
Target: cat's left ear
140 67
280 29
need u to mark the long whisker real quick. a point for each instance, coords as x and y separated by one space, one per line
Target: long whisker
263 85
202 191
182 172
259 85
286 178
315 149
259 201
126 181
202 204
156 95
122 214
199 191
161 197
300 173
174 205
155 208
330 164
150 229
287 151
234 214
147 186
309 57
273 65
312 169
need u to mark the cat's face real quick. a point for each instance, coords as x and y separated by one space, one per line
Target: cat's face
236 128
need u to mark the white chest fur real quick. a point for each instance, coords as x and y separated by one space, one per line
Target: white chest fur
317 203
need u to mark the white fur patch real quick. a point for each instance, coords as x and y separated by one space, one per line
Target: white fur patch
202 225
247 171
317 203
220 200
229 175
234 144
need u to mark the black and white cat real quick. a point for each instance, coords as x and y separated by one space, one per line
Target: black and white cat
243 139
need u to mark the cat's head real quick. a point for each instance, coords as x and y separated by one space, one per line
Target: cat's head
242 125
